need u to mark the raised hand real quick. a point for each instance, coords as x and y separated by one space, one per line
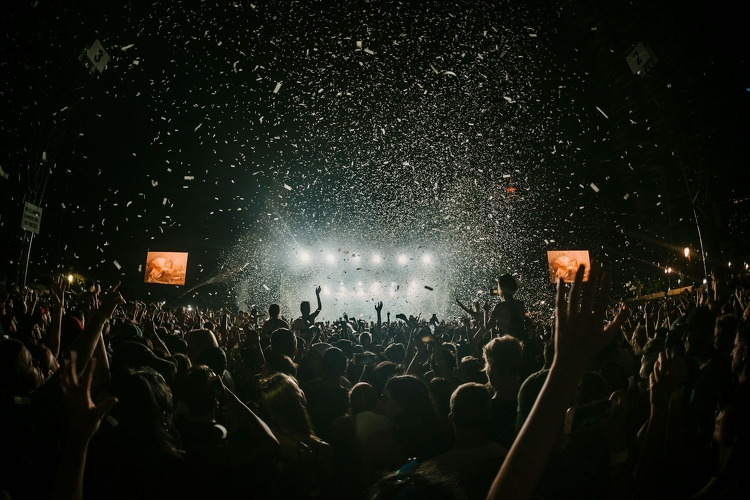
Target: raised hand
579 333
110 301
379 307
57 293
317 290
84 415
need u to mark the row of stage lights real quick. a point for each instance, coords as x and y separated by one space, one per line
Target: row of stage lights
375 288
402 259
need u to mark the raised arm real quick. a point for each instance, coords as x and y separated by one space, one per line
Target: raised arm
84 418
579 335
86 342
57 295
378 328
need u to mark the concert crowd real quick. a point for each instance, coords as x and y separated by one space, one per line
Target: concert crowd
104 397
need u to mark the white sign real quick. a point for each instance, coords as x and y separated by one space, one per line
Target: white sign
98 56
641 59
32 217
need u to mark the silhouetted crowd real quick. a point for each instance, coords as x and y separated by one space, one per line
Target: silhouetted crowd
105 398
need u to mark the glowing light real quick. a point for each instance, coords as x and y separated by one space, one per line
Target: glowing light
330 258
305 257
687 252
326 291
70 278
426 259
403 259
376 259
705 281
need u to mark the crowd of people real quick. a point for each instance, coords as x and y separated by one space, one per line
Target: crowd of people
108 398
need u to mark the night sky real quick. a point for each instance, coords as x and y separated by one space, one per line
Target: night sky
479 133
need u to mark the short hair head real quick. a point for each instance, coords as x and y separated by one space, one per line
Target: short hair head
470 407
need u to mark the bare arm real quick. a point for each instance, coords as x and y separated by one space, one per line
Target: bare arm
86 342
579 336
84 419
57 294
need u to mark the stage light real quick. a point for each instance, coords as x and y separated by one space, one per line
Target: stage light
70 278
376 259
426 259
359 283
326 291
305 257
330 258
687 252
403 259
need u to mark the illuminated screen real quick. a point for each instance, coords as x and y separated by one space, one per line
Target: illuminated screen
166 268
564 264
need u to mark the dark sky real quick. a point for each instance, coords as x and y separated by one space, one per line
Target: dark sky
397 124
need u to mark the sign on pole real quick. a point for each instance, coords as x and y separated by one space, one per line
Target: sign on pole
94 57
32 217
641 59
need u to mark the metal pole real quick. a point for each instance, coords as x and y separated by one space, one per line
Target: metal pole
28 257
700 240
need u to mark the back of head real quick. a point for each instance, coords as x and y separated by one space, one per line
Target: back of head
304 308
439 390
395 353
508 285
346 347
196 391
504 354
418 482
274 311
471 369
214 358
283 341
144 411
415 427
470 407
334 362
362 397
198 340
279 363
381 374
282 400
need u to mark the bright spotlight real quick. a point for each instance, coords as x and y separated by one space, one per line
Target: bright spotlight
326 291
305 257
426 259
687 251
70 278
403 259
376 259
359 283
330 258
